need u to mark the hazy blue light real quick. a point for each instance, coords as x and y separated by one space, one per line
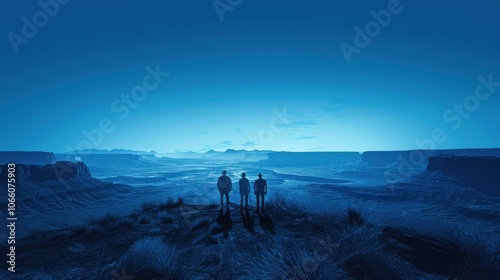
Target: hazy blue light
228 79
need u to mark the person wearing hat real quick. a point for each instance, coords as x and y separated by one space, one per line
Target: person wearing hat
224 186
260 190
244 190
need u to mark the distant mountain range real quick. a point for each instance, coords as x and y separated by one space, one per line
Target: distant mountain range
34 158
229 154
109 152
265 157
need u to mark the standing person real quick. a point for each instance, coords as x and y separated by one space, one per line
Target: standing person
260 190
224 186
244 190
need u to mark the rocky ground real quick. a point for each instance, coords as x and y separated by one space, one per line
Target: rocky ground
173 240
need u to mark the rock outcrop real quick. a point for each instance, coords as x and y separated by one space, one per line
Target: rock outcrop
472 169
102 159
61 170
382 159
479 173
416 158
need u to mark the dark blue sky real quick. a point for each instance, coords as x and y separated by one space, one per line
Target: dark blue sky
260 75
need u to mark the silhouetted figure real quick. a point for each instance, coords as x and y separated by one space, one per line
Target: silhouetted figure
224 185
260 190
244 190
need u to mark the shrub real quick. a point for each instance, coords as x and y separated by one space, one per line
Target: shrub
151 258
125 222
180 201
134 215
79 229
359 251
104 220
352 218
480 251
200 222
148 206
291 260
144 220
280 201
165 217
95 230
167 205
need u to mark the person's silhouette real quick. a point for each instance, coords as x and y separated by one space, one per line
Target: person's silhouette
224 185
244 190
260 190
